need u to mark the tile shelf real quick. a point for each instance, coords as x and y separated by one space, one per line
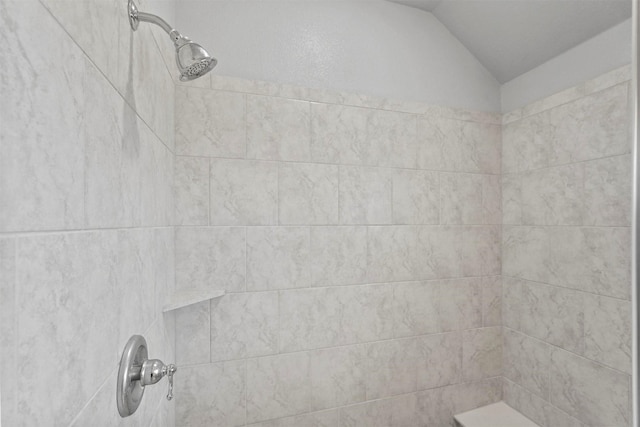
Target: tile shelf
184 298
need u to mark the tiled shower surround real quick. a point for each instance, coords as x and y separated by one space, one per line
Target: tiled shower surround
386 263
86 211
362 242
566 188
360 248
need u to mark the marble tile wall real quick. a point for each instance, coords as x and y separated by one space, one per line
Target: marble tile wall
86 210
566 256
359 245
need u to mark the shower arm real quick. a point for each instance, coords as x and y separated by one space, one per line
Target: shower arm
135 17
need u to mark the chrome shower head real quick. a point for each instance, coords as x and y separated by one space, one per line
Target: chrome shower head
192 59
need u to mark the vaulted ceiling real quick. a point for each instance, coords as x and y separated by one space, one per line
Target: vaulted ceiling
511 37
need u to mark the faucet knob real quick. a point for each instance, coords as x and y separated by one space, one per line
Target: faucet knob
171 369
151 372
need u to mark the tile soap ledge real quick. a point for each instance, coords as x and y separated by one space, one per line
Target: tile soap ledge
184 298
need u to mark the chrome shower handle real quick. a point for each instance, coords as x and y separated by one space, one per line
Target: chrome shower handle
171 369
136 372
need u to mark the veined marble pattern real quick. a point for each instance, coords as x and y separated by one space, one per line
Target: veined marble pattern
8 332
565 200
416 197
211 258
608 332
278 129
326 317
191 191
458 146
278 258
244 325
482 353
551 314
361 136
365 195
87 139
308 193
210 123
341 195
339 255
243 192
577 384
42 164
527 362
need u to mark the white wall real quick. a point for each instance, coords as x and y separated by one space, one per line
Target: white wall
372 47
604 52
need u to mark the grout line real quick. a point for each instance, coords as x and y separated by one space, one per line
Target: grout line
353 165
553 347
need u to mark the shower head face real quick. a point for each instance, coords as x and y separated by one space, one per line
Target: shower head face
193 60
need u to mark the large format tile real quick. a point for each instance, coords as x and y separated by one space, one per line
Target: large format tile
481 353
526 253
458 146
278 258
278 386
525 402
337 376
193 348
94 25
492 301
391 253
392 139
439 252
210 258
591 259
66 290
210 123
512 199
243 192
461 198
608 325
156 180
191 191
554 196
307 193
578 385
439 360
201 400
278 129
339 255
437 306
607 189
391 368
395 411
591 127
42 163
244 325
361 136
339 134
415 197
549 313
112 147
365 195
326 317
8 332
527 362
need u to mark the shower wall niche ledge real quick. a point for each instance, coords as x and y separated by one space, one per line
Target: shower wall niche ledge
184 298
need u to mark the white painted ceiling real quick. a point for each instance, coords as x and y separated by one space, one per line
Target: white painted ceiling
511 37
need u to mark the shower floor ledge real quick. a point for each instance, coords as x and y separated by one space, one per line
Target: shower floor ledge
495 415
184 298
